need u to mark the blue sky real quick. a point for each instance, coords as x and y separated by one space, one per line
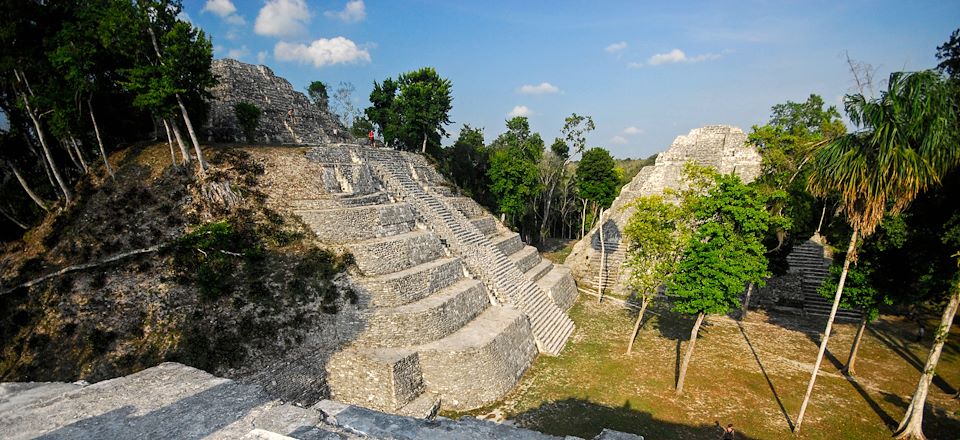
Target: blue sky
645 71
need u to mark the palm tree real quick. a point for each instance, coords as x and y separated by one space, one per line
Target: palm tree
903 145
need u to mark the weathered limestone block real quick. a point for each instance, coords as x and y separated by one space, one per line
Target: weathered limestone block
487 225
429 319
538 271
287 116
384 379
360 223
559 284
413 284
508 242
526 259
499 343
396 252
467 206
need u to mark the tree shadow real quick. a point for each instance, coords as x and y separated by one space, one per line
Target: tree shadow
899 346
937 422
776 396
585 419
677 326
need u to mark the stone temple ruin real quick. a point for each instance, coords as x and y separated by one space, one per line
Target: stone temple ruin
287 115
720 146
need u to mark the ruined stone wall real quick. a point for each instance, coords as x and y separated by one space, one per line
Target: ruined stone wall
287 115
720 146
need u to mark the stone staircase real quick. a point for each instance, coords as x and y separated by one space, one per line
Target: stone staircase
605 276
808 259
502 276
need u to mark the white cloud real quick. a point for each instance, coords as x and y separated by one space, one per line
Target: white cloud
632 130
520 110
620 140
353 12
225 9
635 65
539 89
616 47
322 52
677 56
238 53
282 18
184 17
261 57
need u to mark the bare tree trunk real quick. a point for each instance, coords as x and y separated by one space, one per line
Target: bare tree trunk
46 149
689 355
603 260
173 155
43 163
23 183
96 129
636 326
73 158
583 219
823 213
826 333
15 221
849 369
76 147
183 148
910 427
193 136
424 148
746 302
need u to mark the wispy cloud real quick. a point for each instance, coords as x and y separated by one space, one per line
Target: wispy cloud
678 56
616 47
282 18
619 140
225 9
322 52
632 130
520 110
353 12
238 53
539 89
261 57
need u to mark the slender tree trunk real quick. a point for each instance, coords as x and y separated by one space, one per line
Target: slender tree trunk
850 369
15 221
746 302
583 220
910 427
603 261
23 183
689 355
96 130
46 150
826 333
193 136
76 147
173 155
636 326
183 148
423 149
69 148
43 162
823 213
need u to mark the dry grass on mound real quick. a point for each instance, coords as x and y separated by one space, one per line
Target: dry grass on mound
752 374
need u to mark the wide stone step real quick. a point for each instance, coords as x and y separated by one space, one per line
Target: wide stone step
344 225
538 271
526 258
480 362
508 242
469 207
429 319
486 225
384 379
560 286
413 284
397 252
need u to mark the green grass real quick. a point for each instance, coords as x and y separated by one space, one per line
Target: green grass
593 384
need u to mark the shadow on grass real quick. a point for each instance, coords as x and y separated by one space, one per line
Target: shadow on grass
582 418
899 346
776 396
677 326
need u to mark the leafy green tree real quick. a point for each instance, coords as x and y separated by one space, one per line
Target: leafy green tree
466 163
513 169
554 164
383 112
412 111
248 116
597 181
724 254
317 92
949 55
905 144
360 127
656 234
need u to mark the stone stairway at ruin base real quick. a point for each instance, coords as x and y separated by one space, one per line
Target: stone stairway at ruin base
453 306
810 261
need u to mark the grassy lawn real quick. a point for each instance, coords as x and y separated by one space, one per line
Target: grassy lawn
752 374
